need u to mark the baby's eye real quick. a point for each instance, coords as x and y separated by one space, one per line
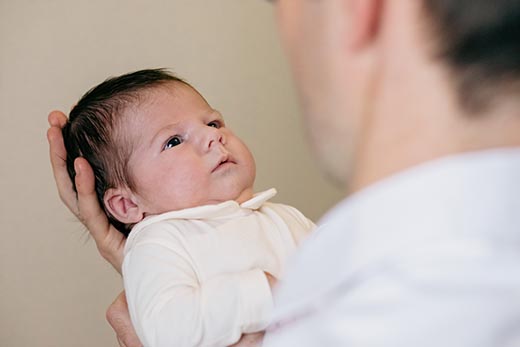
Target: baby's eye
172 142
215 124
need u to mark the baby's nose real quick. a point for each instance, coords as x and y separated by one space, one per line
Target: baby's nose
213 137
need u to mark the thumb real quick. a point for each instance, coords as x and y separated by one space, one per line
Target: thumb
109 240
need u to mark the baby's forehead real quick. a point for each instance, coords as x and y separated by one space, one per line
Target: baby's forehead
172 94
165 106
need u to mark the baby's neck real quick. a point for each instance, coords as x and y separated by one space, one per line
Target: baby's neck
247 194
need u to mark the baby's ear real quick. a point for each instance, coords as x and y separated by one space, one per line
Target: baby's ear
121 204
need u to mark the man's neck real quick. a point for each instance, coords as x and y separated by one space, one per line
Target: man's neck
420 119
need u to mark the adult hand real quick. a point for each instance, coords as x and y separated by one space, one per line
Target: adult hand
84 205
271 280
250 340
119 318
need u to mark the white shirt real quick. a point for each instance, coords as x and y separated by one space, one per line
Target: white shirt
195 277
429 257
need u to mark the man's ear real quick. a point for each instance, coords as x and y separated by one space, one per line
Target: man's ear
122 205
364 21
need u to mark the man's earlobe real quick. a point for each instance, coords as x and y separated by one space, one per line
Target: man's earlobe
121 204
365 20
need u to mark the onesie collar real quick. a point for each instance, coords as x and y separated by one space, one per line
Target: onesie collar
226 209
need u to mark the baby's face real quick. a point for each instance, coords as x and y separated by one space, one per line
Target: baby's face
184 155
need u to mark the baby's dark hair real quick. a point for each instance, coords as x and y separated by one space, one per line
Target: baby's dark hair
94 130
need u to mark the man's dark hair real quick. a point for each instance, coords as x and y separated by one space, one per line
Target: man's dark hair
94 130
479 40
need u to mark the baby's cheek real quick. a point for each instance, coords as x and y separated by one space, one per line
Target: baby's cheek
188 185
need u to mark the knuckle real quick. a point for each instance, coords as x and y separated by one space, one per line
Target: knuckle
104 251
113 315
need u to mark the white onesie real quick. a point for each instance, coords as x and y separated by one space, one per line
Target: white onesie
195 277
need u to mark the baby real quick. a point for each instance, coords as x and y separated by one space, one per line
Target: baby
202 249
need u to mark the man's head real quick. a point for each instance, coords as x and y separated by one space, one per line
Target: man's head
385 78
155 145
479 42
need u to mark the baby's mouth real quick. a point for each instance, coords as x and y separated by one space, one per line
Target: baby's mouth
223 161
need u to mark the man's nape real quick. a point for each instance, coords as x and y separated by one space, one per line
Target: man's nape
393 100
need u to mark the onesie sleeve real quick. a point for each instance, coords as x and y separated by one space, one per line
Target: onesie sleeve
169 307
299 226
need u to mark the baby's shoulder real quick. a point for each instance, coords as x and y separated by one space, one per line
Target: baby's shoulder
289 214
165 231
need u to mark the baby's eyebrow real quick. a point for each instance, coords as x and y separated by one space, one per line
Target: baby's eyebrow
171 127
217 113
166 129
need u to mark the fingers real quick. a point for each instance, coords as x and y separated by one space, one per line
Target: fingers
250 340
109 240
91 213
119 318
271 279
121 343
84 205
57 119
58 156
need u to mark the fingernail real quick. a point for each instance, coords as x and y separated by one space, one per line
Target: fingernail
77 168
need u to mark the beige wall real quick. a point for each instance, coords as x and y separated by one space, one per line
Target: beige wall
54 287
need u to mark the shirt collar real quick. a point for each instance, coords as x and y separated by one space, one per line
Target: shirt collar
461 196
455 202
458 181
